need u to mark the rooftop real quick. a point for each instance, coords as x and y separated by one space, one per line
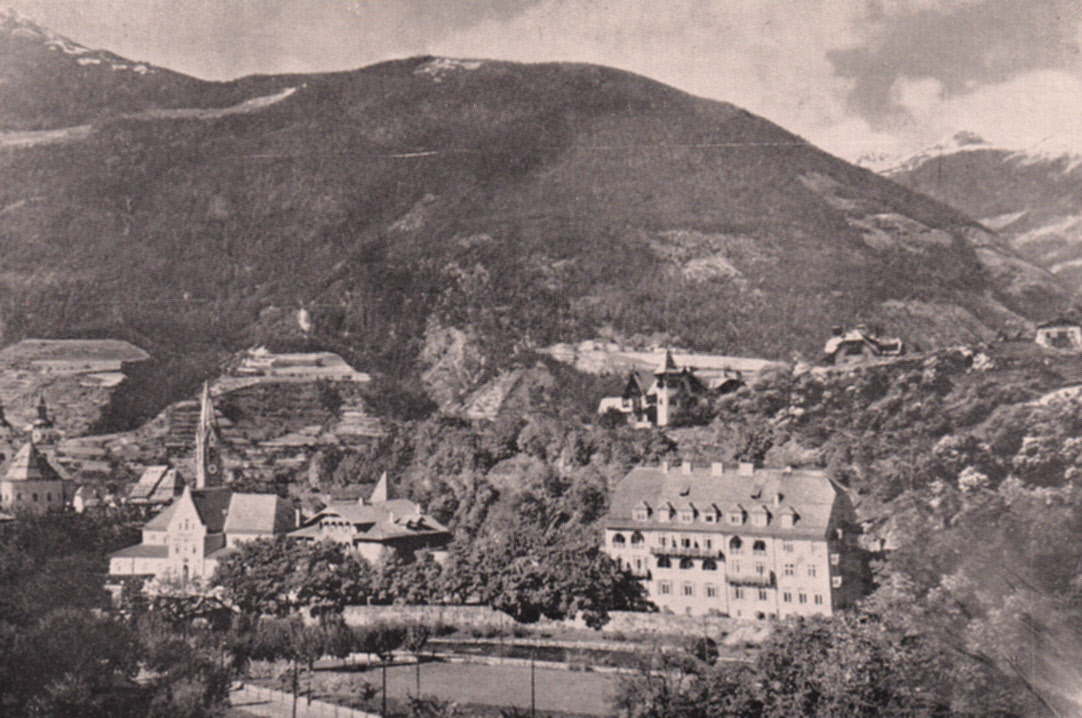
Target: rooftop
73 349
30 465
810 494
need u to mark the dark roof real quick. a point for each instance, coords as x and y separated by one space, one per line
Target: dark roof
142 550
213 506
1058 322
30 465
812 495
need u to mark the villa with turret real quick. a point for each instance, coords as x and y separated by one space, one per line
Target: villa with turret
659 403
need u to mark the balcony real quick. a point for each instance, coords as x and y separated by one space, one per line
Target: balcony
687 552
753 580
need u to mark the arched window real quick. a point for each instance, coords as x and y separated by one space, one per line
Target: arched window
759 546
636 538
663 562
710 564
687 563
735 543
619 539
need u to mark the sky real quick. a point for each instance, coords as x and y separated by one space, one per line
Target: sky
860 78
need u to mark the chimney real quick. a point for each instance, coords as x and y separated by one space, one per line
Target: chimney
778 496
747 468
685 467
717 468
296 517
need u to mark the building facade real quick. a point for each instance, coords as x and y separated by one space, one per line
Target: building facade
748 543
1062 334
376 528
30 483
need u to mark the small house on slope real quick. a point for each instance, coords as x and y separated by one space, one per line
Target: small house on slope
1063 334
859 345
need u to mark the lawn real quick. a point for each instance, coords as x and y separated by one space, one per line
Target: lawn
559 692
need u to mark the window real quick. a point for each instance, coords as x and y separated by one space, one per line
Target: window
787 597
618 540
708 517
661 541
790 569
636 538
735 544
802 598
710 564
811 570
685 542
738 592
663 562
687 563
711 591
709 544
762 594
736 517
664 588
818 600
836 581
835 559
736 566
760 569
760 517
642 514
689 589
638 564
687 516
35 497
787 546
759 547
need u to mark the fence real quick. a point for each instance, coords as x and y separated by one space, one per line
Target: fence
270 703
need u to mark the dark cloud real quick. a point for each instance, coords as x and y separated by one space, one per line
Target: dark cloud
964 46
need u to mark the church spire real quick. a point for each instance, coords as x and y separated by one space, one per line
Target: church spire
208 467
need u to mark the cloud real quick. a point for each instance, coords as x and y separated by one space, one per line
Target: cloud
963 46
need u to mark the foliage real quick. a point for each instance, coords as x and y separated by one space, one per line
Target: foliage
280 576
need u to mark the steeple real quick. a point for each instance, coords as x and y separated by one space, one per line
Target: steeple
380 494
667 364
43 412
208 464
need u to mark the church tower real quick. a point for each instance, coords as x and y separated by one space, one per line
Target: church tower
664 379
208 455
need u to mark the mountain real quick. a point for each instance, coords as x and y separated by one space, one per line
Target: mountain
1031 199
523 204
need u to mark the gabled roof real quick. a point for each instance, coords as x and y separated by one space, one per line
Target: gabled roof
158 484
397 518
161 521
30 465
810 494
259 514
212 506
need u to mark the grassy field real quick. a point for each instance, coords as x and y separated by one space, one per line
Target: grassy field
559 692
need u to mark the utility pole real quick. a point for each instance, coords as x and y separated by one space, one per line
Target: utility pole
533 685
384 714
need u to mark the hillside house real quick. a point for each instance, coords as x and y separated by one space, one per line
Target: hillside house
747 543
301 366
673 390
71 356
30 483
1063 334
377 527
859 345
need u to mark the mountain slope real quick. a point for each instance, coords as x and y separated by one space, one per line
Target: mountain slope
1033 199
528 203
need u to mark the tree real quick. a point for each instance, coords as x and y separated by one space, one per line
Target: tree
280 576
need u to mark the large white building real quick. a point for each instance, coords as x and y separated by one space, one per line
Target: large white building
744 542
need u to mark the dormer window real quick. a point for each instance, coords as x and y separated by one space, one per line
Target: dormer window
735 515
666 512
641 512
710 515
789 517
760 517
687 514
